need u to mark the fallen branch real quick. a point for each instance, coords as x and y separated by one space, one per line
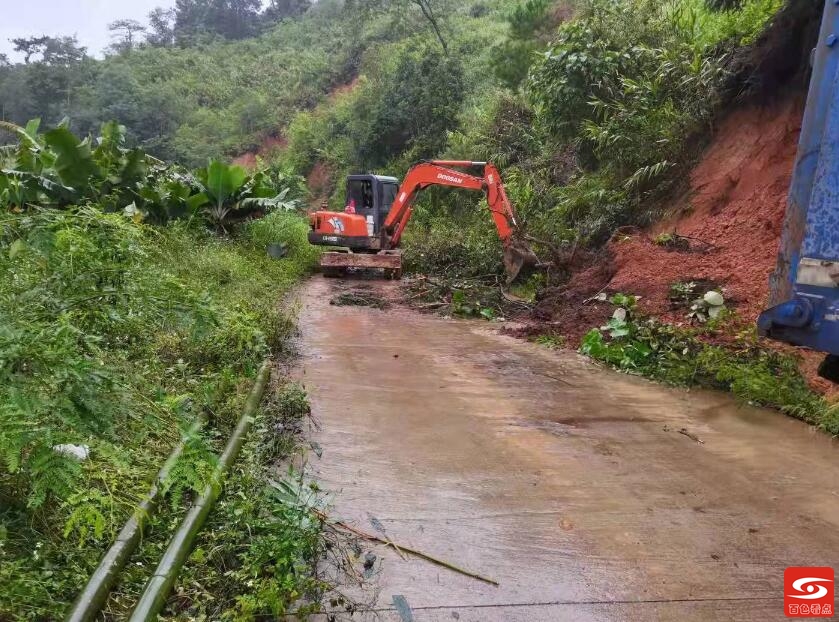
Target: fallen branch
424 292
433 305
388 542
557 378
515 299
552 247
396 546
691 436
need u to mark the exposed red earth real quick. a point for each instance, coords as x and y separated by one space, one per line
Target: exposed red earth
732 214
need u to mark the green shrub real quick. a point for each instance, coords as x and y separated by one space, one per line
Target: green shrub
512 58
680 356
628 84
113 335
455 248
256 558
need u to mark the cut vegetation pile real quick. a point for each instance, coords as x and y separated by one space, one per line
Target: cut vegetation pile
359 299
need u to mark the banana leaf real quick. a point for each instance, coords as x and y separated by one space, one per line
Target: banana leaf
74 163
24 187
221 182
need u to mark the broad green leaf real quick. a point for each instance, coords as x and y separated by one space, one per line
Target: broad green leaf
24 133
112 135
16 248
134 168
713 298
31 129
32 184
223 181
74 162
197 201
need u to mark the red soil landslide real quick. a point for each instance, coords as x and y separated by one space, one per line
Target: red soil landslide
733 212
319 181
268 146
736 203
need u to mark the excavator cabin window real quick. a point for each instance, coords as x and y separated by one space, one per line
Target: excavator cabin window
361 191
389 192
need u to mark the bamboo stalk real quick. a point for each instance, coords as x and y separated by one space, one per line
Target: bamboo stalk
401 547
160 584
92 598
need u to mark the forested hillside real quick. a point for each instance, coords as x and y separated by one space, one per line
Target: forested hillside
591 108
369 84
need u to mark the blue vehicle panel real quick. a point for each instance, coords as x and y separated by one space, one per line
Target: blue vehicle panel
804 288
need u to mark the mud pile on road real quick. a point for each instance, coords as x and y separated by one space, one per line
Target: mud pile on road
727 226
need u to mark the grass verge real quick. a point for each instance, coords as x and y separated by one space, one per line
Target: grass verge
722 354
113 337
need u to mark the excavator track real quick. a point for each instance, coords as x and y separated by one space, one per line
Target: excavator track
337 264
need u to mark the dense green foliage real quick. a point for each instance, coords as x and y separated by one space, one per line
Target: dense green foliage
208 97
58 169
114 335
687 357
591 107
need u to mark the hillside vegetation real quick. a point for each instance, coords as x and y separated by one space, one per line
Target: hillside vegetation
125 318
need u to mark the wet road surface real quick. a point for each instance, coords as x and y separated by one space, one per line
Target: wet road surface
569 484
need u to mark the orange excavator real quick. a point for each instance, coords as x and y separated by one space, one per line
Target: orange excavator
378 210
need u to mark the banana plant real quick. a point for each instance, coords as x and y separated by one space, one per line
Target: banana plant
26 174
168 194
123 169
59 169
221 184
233 194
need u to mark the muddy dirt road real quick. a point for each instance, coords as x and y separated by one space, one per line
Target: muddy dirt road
570 485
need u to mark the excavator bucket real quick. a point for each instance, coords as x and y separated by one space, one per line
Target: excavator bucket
517 256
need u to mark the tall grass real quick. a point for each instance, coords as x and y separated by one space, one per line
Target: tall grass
113 336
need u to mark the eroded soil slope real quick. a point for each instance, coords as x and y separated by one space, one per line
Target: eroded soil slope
732 214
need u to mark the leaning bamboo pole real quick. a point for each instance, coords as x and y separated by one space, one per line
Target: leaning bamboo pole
93 597
160 584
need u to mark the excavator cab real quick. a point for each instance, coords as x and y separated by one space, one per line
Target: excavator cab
366 206
358 228
372 196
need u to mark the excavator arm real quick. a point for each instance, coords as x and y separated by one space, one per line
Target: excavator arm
355 231
441 173
517 253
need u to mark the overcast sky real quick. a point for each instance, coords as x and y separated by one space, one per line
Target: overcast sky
87 19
